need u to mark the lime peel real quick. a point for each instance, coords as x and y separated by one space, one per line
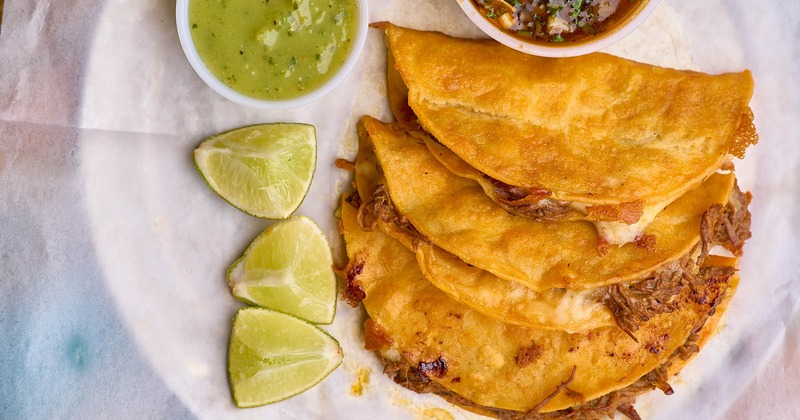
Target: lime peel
263 170
289 268
273 356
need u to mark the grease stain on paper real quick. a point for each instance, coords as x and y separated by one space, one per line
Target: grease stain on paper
437 414
430 413
362 380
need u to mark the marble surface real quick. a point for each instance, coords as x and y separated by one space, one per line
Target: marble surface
112 254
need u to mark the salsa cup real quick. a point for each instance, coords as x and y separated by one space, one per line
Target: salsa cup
566 49
189 48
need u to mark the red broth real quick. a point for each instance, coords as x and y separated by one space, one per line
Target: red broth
547 21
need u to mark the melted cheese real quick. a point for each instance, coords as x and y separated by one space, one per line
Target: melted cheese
619 233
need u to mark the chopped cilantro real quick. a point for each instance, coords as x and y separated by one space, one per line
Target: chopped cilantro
553 10
558 38
576 9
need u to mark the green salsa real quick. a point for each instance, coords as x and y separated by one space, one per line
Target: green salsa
273 49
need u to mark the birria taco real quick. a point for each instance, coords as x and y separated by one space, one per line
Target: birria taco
533 238
453 213
595 137
575 308
431 343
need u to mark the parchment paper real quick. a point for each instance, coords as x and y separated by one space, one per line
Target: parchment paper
113 300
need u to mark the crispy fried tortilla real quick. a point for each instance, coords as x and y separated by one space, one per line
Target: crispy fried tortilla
597 136
605 406
453 213
559 309
556 309
513 303
499 365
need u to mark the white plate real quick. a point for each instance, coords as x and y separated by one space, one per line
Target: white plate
164 240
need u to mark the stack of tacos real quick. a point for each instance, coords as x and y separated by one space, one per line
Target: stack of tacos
536 238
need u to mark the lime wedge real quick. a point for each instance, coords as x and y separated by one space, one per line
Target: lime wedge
264 170
288 268
274 356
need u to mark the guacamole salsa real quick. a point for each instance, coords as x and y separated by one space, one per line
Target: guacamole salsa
273 49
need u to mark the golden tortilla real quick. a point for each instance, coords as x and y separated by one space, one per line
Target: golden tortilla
455 214
480 353
511 302
593 130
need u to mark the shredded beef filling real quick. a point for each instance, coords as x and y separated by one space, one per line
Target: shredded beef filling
353 292
536 205
635 303
528 203
402 373
405 375
354 199
380 208
728 225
